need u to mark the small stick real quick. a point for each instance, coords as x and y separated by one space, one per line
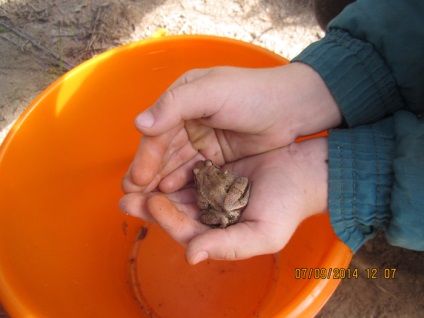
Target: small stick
57 59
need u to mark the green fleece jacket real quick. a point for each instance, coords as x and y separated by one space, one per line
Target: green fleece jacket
372 60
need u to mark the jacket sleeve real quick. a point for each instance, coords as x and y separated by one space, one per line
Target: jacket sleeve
372 61
376 181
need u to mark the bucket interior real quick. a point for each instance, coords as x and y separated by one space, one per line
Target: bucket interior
65 248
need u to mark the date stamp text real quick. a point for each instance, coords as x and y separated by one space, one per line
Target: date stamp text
344 273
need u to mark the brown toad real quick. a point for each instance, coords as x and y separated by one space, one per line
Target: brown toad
221 195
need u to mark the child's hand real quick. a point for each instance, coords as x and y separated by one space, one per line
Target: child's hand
288 185
225 114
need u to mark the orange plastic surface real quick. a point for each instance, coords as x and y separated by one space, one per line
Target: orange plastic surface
65 248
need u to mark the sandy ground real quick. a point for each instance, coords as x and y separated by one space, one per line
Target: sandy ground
42 39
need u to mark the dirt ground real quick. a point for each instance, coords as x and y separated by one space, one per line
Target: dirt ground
42 39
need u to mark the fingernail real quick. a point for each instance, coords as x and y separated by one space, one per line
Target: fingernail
200 257
123 206
145 120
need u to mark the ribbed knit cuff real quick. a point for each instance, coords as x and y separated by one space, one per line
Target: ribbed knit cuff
360 181
356 75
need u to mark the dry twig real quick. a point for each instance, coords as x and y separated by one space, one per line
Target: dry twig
41 52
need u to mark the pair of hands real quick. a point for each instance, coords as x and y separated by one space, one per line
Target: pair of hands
246 121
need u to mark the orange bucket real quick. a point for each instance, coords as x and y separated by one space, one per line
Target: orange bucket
65 248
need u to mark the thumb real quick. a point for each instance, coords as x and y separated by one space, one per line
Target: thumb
179 225
183 100
239 241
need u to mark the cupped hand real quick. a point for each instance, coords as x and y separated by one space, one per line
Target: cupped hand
225 114
288 185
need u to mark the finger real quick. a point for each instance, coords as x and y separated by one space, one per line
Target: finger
210 142
128 185
180 176
158 156
179 225
180 155
183 197
164 114
196 94
149 158
239 241
135 204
